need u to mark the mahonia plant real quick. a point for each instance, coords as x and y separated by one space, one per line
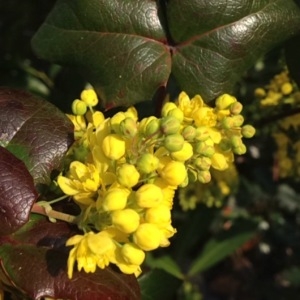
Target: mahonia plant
283 95
123 173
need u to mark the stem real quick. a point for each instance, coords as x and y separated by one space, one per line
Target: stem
53 214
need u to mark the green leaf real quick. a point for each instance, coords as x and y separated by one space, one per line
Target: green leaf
157 284
117 45
17 192
216 249
217 41
123 50
35 131
165 263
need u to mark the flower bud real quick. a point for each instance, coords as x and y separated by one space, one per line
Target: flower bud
128 127
236 108
223 101
248 131
89 97
219 162
113 146
125 220
127 175
79 107
174 172
231 122
158 215
203 163
205 148
169 125
286 88
192 175
167 107
114 199
132 254
184 154
116 120
202 133
174 142
241 149
147 163
176 113
152 127
204 176
189 133
236 141
148 195
260 93
147 237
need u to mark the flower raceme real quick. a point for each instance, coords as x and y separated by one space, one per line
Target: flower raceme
123 173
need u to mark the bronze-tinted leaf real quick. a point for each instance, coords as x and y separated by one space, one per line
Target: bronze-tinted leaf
17 192
35 131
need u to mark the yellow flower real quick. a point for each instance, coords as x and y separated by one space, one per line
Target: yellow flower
132 254
89 97
81 180
113 146
184 154
147 236
174 173
158 215
127 175
90 250
148 195
126 220
114 199
219 162
147 163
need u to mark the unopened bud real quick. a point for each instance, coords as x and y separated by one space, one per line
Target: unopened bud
203 163
167 107
113 146
219 162
224 101
248 131
127 175
185 153
189 133
176 113
147 163
204 176
128 127
202 133
152 127
205 148
89 97
79 107
236 108
169 125
174 142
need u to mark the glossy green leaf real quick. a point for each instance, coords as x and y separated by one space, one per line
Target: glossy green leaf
217 41
17 192
166 263
117 45
157 284
123 50
35 131
219 247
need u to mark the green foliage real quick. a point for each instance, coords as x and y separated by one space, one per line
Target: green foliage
128 51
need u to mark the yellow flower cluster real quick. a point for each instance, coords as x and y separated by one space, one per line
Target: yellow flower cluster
277 91
124 172
222 184
287 156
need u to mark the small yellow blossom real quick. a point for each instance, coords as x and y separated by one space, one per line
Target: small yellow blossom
142 234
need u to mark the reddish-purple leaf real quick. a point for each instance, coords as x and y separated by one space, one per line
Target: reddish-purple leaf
17 192
35 131
38 249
